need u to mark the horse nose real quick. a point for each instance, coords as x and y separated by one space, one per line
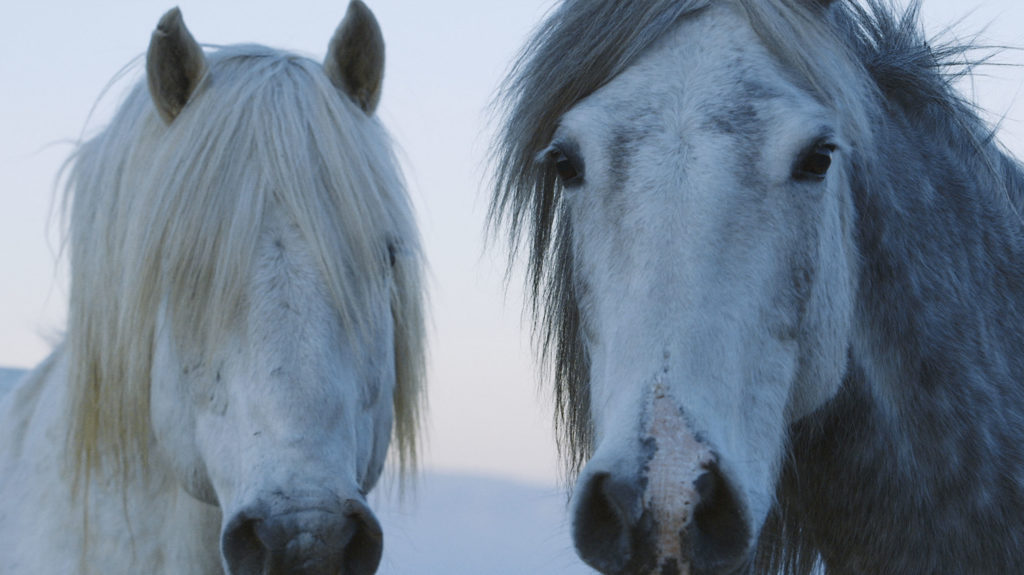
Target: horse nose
618 530
312 541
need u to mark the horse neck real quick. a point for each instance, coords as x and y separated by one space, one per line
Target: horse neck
941 285
149 522
147 525
918 461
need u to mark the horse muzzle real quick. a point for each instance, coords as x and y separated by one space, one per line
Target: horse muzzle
281 535
670 512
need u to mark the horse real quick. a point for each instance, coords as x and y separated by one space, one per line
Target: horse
776 265
245 329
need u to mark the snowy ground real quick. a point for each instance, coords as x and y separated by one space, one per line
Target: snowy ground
8 377
462 525
451 524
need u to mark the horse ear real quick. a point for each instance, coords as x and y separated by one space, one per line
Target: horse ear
174 65
355 57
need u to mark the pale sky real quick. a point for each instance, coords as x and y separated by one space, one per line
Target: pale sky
445 58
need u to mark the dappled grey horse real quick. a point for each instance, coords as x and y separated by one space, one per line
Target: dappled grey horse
777 265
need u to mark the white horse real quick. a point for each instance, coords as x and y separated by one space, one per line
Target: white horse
245 330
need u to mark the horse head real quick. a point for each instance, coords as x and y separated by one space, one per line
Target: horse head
694 260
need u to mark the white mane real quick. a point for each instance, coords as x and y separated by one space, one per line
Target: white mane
168 215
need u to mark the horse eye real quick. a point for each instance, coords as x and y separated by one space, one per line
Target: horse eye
814 163
569 170
391 254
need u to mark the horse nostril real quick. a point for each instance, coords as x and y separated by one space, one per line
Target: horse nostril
243 550
363 551
346 540
603 523
720 533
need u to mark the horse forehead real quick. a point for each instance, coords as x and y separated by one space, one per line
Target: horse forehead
712 72
289 300
289 291
285 263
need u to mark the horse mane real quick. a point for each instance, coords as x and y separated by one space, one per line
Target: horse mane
859 58
914 79
168 216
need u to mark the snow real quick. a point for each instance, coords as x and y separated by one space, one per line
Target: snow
8 377
462 525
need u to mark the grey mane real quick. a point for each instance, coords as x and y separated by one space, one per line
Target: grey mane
953 320
933 145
